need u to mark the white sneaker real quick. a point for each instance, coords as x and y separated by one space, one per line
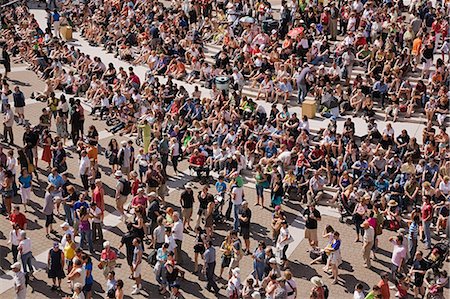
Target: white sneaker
136 291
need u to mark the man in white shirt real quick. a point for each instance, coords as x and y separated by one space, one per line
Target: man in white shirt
237 196
84 167
368 241
20 287
25 253
96 213
177 233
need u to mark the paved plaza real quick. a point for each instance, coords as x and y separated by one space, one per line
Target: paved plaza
351 271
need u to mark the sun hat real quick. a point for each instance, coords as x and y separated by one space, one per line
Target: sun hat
315 280
16 265
118 173
272 261
392 203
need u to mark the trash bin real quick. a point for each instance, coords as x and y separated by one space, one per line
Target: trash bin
309 108
66 32
222 83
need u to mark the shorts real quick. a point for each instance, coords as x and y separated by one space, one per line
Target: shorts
245 233
125 170
199 248
138 271
121 201
186 213
49 220
226 260
19 110
311 234
87 288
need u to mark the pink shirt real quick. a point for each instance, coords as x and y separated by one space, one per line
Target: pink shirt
398 253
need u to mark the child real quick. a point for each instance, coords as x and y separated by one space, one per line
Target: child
221 188
111 285
289 182
358 293
402 284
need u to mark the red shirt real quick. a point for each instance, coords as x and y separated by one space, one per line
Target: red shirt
384 286
427 209
139 201
108 255
197 160
19 219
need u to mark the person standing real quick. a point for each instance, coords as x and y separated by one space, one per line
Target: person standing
19 104
55 20
210 264
398 255
368 241
84 167
311 215
19 280
163 149
237 196
187 203
5 59
413 236
49 206
427 216
245 218
124 157
123 188
8 121
137 265
177 232
14 239
55 266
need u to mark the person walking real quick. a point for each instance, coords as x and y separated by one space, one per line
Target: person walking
25 253
137 265
8 121
368 241
210 264
20 287
245 217
5 59
237 197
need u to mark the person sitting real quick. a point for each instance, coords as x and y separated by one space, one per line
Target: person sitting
197 162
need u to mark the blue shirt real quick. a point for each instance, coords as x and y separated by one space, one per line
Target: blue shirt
56 17
77 205
26 182
56 181
336 245
271 151
382 186
221 187
89 279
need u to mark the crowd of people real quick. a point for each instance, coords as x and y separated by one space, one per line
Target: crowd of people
384 180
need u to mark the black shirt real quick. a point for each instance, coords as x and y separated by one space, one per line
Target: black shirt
204 201
311 223
246 214
187 199
152 209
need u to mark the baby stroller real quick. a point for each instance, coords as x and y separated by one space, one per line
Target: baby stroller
218 217
346 208
438 254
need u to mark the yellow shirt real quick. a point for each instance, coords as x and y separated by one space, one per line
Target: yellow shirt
69 252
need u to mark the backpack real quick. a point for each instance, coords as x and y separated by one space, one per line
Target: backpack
121 156
126 190
326 292
111 293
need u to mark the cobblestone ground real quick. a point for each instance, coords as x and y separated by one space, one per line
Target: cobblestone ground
351 272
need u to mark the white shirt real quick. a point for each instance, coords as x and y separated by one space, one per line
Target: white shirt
171 241
14 237
97 212
239 195
85 164
11 164
177 230
25 245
